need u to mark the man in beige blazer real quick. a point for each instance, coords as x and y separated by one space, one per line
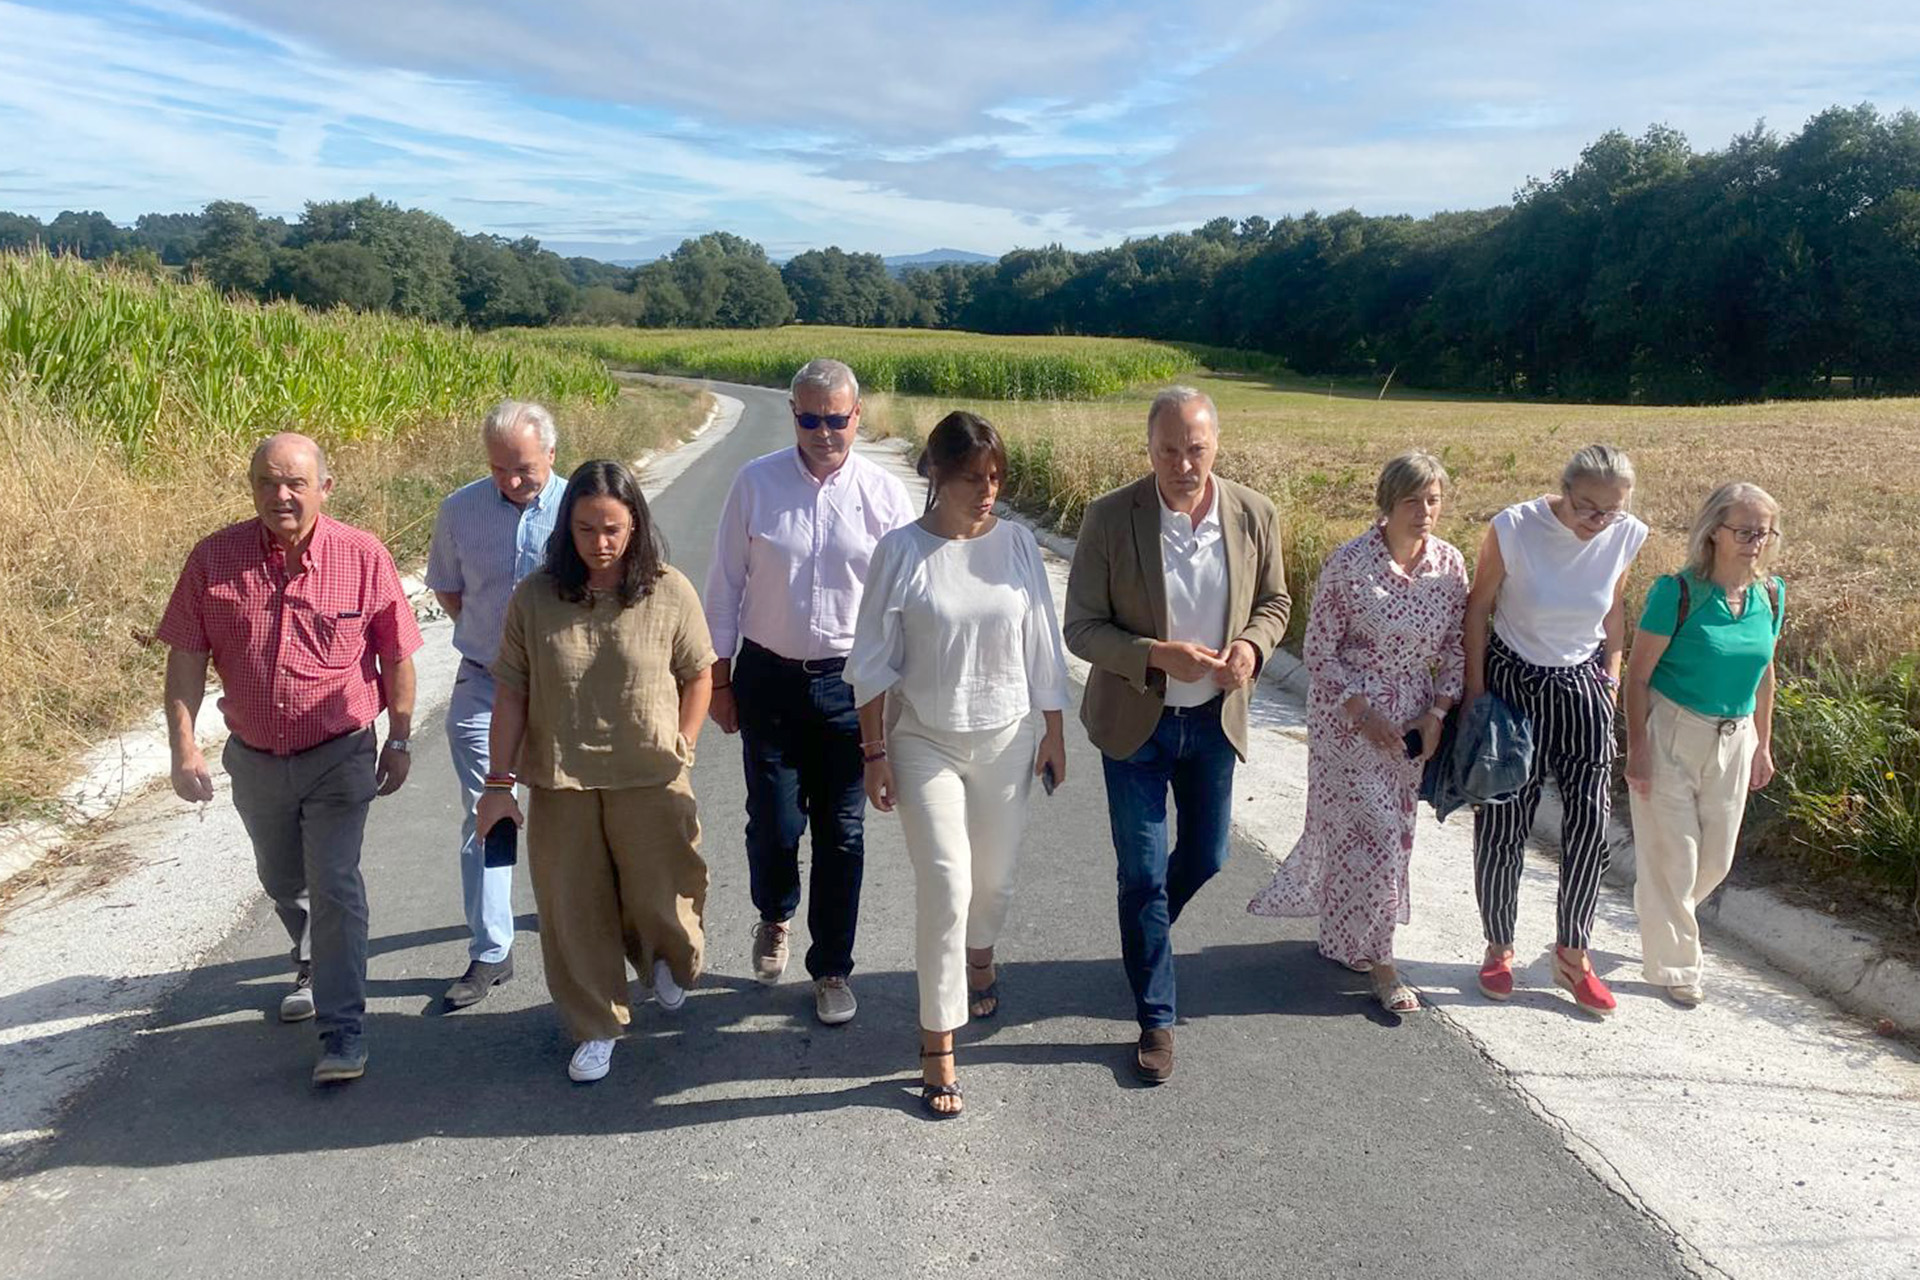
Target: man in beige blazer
1176 597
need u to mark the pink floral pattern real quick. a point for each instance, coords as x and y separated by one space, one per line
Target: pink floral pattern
1394 636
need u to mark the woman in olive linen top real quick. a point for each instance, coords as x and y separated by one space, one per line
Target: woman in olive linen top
604 677
1700 723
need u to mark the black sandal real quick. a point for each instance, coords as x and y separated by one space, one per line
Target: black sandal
989 992
929 1092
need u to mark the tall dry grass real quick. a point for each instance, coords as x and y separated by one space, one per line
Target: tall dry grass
1847 474
91 541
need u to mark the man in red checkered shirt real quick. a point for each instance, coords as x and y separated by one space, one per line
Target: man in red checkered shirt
304 620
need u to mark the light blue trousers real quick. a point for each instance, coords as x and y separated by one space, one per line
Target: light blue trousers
487 891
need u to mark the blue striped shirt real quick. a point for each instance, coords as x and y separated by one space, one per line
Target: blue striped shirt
482 546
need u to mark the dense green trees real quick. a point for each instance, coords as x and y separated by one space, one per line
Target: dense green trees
1646 271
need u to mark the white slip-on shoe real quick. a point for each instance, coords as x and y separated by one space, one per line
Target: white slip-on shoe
591 1061
666 992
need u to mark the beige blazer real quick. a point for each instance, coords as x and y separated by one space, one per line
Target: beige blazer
1117 607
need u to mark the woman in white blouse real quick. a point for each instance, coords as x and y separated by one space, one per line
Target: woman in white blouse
957 624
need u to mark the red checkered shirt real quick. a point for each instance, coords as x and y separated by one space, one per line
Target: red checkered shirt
295 654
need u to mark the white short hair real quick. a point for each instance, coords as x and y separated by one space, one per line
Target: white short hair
1179 397
826 375
510 417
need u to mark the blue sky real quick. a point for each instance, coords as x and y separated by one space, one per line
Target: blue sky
617 128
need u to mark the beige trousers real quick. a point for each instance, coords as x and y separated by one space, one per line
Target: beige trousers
1685 829
963 810
617 877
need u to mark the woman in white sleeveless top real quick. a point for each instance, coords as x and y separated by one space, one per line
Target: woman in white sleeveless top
1545 627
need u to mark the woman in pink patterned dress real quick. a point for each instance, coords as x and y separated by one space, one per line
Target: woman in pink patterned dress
1383 649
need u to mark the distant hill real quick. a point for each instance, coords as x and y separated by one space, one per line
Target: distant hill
933 258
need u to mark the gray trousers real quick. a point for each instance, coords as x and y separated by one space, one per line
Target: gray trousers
305 814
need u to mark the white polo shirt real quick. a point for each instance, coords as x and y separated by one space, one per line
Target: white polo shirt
1194 559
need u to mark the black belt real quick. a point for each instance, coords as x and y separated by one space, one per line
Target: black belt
1210 707
810 666
288 755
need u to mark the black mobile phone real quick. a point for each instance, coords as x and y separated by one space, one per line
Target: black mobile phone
1413 744
1047 780
503 844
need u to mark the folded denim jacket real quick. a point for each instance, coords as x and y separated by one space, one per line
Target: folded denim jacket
1484 757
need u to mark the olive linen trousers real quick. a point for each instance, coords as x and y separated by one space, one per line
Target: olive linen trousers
617 877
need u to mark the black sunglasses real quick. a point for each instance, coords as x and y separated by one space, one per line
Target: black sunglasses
815 421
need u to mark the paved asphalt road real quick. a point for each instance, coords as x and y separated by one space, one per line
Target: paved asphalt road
1305 1133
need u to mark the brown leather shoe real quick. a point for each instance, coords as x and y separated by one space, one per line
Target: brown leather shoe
1153 1060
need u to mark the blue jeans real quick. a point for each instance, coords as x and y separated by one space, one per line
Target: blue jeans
486 891
800 747
1189 753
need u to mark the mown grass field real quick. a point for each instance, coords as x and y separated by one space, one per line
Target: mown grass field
915 361
1847 473
128 408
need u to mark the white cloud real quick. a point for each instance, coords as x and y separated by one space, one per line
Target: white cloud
890 127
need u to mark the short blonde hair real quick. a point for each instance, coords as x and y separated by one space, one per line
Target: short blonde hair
1406 475
1714 514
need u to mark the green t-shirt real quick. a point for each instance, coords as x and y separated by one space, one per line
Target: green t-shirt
1714 665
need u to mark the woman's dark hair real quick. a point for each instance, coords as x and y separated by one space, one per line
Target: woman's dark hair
956 440
646 551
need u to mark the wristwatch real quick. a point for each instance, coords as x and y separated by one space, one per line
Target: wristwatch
398 744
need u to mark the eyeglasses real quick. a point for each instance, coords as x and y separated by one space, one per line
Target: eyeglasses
1748 537
815 421
1601 516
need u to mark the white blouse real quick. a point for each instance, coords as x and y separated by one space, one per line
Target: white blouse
1553 601
962 629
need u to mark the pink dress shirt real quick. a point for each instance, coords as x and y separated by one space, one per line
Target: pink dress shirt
790 557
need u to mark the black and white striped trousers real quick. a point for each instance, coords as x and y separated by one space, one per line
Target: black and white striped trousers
1571 709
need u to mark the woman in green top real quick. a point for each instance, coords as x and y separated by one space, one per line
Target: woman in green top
1699 693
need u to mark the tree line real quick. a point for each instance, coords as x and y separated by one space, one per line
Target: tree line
1645 272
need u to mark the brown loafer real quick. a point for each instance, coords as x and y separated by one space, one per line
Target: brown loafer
1153 1060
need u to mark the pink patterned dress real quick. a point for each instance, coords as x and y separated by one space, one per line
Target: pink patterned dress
1394 636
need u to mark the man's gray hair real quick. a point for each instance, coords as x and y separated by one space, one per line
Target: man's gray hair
824 374
1177 398
510 417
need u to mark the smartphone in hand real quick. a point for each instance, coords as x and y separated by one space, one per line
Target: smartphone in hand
503 844
1413 744
1047 780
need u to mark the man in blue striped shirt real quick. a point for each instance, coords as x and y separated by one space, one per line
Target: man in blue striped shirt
488 536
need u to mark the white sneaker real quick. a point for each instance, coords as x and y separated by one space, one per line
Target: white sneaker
833 1001
591 1061
666 992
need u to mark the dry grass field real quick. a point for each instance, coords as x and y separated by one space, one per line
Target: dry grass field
1847 473
90 544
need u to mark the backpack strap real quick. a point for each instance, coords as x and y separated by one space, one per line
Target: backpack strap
1773 601
1680 610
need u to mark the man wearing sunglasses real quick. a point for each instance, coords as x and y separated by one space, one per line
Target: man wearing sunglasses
789 564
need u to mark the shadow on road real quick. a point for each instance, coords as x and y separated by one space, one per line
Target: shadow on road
208 1085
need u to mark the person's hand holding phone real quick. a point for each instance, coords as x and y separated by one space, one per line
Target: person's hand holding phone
496 803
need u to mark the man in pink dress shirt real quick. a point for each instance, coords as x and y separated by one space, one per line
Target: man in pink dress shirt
789 563
305 622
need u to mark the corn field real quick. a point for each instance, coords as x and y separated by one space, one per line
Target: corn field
915 361
131 356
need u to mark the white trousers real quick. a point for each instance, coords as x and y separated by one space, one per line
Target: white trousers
1685 829
962 801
